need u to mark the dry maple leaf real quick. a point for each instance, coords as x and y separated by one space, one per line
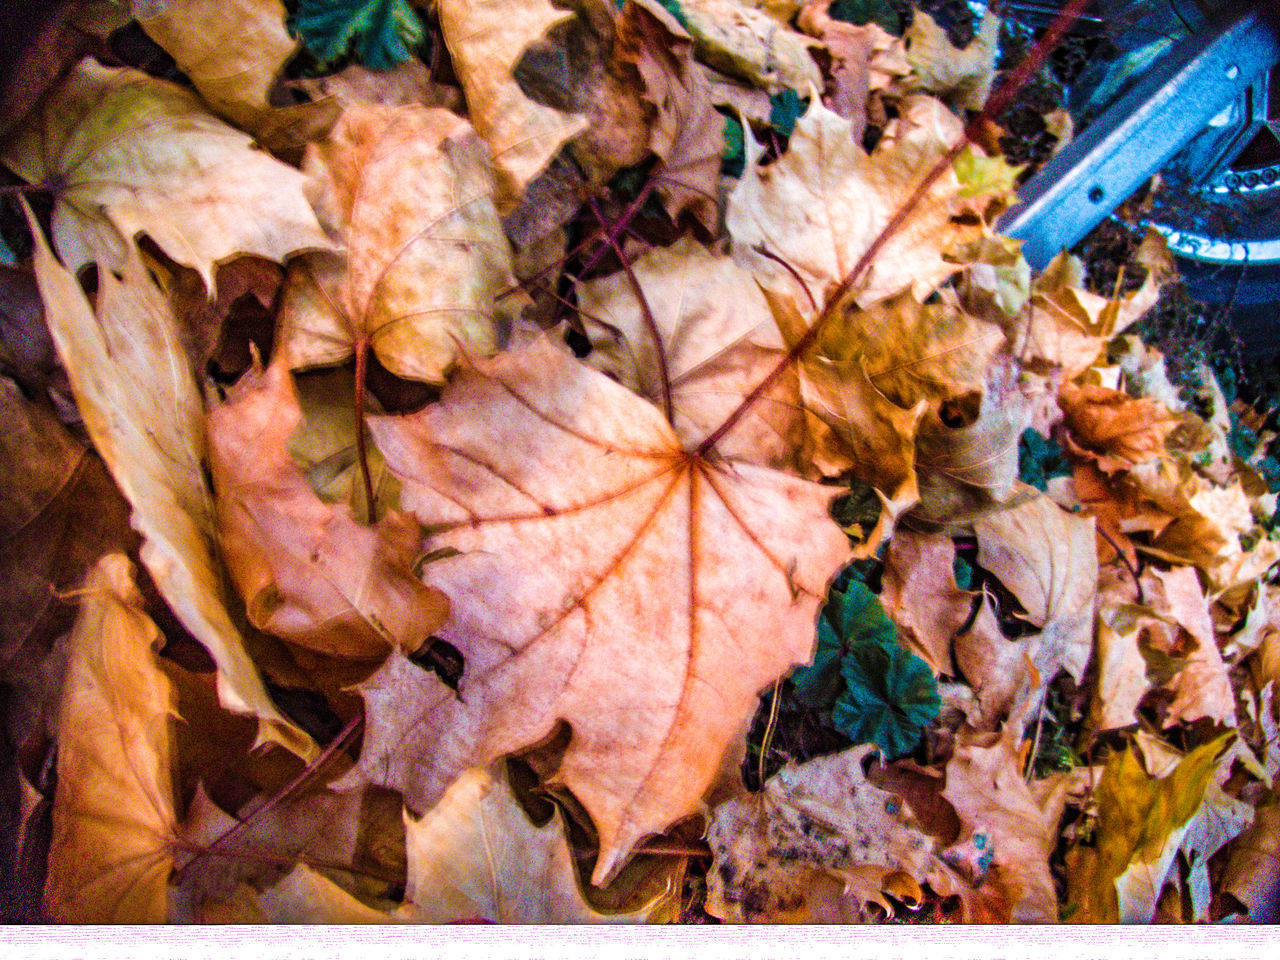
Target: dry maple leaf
232 52
140 406
1251 875
607 577
477 855
921 595
1202 687
1120 429
825 201
985 785
1122 670
702 353
744 42
961 76
113 814
308 571
411 192
813 822
125 153
486 39
1046 557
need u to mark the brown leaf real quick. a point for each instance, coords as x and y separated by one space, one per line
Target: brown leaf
604 572
985 785
1124 430
219 328
1251 874
687 132
410 191
1002 672
140 406
308 572
813 822
1045 556
864 58
60 513
1202 688
1122 670
113 815
486 40
824 202
920 593
301 896
128 154
712 349
744 42
960 76
476 855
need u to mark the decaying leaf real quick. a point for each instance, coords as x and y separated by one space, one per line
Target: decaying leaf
1121 429
736 39
486 40
921 595
476 855
959 76
638 580
1046 557
817 845
823 203
309 571
140 406
1122 670
707 349
411 193
1202 688
125 153
1251 875
1019 827
1141 823
113 815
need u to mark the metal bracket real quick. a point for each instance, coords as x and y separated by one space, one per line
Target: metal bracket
1138 134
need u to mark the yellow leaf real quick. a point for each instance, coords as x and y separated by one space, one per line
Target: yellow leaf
140 406
113 816
125 153
961 76
410 192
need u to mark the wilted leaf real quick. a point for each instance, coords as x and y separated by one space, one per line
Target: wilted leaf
1046 557
125 153
308 571
60 512
411 193
777 852
688 132
476 855
605 572
1122 430
113 815
921 595
1252 872
232 52
1020 828
823 203
1122 670
962 77
486 39
301 896
1002 672
1141 823
1202 687
743 42
710 348
140 405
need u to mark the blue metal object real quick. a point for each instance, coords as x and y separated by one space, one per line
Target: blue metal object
1192 89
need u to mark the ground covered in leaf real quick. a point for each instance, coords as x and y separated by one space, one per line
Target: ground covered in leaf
595 462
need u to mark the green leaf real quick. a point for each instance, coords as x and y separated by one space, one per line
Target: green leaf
785 109
735 150
384 31
890 698
853 614
1040 460
884 13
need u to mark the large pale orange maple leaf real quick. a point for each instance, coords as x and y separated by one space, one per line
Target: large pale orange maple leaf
603 575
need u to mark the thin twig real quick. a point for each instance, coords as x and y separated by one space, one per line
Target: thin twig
996 104
1125 560
767 741
664 374
362 359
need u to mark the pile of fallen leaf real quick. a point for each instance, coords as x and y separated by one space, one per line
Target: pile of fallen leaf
416 472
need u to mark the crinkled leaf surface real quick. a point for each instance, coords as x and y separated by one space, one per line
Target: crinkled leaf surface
486 39
921 594
113 815
823 203
1046 557
1203 688
309 571
714 349
605 573
232 52
477 855
814 820
962 76
140 406
126 153
740 40
410 191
